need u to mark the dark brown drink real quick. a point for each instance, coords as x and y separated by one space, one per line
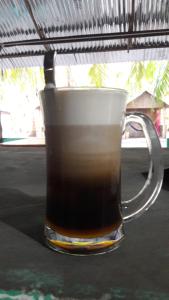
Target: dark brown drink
83 179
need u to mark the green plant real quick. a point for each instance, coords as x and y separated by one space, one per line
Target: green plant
97 74
162 84
155 73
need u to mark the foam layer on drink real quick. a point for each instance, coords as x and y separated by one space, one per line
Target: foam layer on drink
83 106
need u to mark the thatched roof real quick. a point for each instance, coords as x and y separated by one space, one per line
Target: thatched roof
144 101
83 31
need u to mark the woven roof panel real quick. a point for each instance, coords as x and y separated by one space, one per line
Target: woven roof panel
40 19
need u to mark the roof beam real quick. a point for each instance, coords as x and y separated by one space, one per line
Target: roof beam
39 30
87 50
87 38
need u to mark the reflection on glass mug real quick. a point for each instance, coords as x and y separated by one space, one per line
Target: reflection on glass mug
83 128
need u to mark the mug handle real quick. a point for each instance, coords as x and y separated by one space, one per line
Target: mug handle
137 205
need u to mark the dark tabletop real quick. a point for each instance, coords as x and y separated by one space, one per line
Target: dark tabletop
139 269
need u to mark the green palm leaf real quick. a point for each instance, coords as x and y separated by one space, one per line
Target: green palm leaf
162 84
136 76
97 74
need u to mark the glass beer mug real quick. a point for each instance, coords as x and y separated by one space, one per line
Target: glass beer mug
83 128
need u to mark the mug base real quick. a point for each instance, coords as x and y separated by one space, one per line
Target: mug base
83 246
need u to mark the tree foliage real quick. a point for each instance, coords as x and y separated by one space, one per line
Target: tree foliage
162 83
27 81
156 73
97 74
152 74
140 72
22 77
137 75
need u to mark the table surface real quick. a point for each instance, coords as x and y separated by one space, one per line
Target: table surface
139 269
